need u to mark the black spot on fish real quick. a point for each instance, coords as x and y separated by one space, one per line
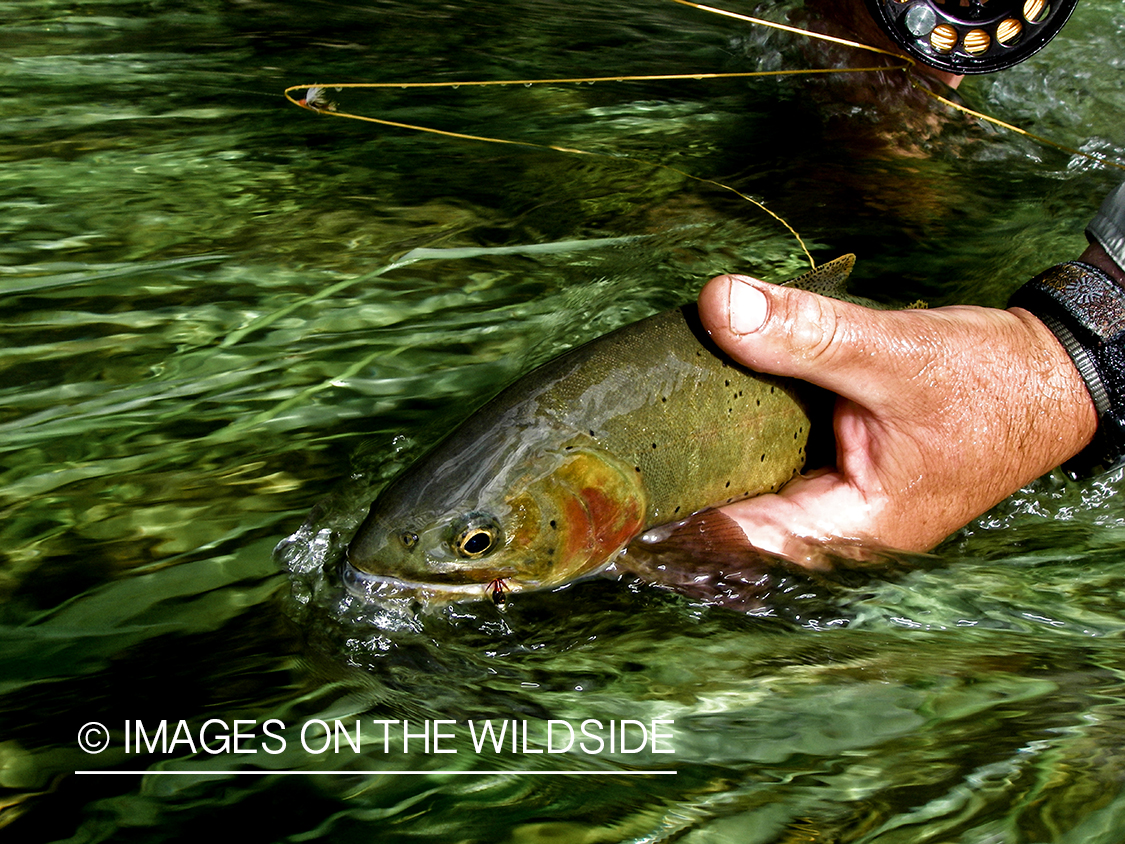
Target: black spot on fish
675 511
654 445
554 524
762 459
592 434
637 468
758 402
728 483
727 382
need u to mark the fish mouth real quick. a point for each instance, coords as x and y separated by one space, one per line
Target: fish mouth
374 587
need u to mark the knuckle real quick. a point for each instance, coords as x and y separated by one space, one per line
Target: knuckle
813 326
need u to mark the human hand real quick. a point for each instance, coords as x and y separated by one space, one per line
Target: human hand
940 414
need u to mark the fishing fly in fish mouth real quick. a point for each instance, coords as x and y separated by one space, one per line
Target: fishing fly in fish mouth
555 476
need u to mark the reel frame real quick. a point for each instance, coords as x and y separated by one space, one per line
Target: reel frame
971 36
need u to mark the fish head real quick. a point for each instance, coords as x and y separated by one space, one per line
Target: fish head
442 532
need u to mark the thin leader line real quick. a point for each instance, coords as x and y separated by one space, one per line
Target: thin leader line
796 31
1101 159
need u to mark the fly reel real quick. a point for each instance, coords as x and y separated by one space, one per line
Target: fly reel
971 36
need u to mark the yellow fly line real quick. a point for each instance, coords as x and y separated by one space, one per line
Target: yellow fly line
796 31
312 102
333 112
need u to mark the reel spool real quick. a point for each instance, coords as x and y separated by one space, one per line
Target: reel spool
971 36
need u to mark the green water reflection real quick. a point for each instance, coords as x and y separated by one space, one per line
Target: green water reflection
206 332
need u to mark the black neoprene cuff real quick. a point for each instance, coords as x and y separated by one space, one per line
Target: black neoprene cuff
1085 309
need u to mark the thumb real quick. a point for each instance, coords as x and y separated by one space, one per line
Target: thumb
798 334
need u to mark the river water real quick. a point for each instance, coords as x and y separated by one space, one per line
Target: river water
208 329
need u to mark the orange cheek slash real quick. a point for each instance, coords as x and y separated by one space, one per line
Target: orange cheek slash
613 522
603 511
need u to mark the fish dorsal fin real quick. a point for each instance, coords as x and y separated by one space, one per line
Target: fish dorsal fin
828 279
831 280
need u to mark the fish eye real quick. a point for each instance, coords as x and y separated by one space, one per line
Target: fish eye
408 539
476 535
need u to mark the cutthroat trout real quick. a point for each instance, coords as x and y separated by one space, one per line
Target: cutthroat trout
552 478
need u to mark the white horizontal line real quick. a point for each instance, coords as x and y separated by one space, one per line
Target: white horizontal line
267 772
